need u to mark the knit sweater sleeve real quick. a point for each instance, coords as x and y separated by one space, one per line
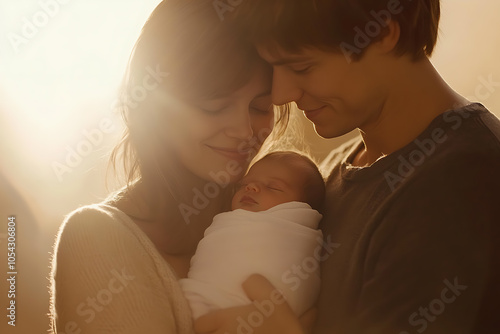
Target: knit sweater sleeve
105 281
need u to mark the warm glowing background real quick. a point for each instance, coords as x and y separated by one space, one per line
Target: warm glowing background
60 83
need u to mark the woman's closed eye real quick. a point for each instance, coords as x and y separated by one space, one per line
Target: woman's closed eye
212 107
261 109
262 104
211 112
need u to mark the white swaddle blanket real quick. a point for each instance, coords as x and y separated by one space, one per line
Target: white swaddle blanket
281 244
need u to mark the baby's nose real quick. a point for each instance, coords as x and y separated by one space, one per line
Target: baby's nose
251 186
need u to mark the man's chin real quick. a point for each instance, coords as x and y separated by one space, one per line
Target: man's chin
329 132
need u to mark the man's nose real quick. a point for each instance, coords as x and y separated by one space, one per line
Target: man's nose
285 87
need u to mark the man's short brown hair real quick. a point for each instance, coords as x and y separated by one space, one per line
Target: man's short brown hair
347 26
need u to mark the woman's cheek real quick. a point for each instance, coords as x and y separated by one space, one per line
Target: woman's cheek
262 127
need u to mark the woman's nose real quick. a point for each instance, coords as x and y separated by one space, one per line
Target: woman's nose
239 125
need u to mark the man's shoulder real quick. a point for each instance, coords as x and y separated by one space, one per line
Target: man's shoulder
470 134
459 147
470 124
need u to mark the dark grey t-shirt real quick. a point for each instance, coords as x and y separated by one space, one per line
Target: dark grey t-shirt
416 233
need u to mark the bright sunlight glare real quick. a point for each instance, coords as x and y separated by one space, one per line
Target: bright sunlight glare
62 62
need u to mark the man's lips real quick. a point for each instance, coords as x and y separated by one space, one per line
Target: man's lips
248 199
311 113
232 153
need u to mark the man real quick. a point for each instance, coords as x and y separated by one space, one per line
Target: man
413 202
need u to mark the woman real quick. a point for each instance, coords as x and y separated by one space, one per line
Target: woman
197 107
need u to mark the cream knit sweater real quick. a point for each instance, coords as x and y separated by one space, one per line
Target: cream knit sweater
108 277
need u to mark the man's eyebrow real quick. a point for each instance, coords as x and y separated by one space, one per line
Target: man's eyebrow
289 60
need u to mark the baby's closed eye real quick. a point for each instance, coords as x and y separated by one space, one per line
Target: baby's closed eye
275 187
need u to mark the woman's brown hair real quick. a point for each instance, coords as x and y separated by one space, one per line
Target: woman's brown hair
194 56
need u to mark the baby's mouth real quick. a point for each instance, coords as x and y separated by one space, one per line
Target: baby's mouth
248 200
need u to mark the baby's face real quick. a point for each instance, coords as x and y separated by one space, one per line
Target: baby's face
267 184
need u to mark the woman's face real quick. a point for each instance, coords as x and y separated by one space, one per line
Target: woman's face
216 139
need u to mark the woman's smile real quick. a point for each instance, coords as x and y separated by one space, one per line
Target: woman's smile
232 153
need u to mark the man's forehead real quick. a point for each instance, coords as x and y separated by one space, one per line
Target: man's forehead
276 55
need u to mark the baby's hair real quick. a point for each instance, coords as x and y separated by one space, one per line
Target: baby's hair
315 184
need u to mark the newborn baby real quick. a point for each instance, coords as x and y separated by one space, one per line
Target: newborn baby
271 231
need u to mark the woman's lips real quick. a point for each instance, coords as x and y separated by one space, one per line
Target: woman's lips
248 199
234 154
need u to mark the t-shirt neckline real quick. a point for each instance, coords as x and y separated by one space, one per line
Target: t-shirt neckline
349 171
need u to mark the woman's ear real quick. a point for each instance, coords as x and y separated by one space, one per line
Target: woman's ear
388 43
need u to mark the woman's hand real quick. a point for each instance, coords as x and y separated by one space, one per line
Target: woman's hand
269 313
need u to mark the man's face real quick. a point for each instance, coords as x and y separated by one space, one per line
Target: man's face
337 95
